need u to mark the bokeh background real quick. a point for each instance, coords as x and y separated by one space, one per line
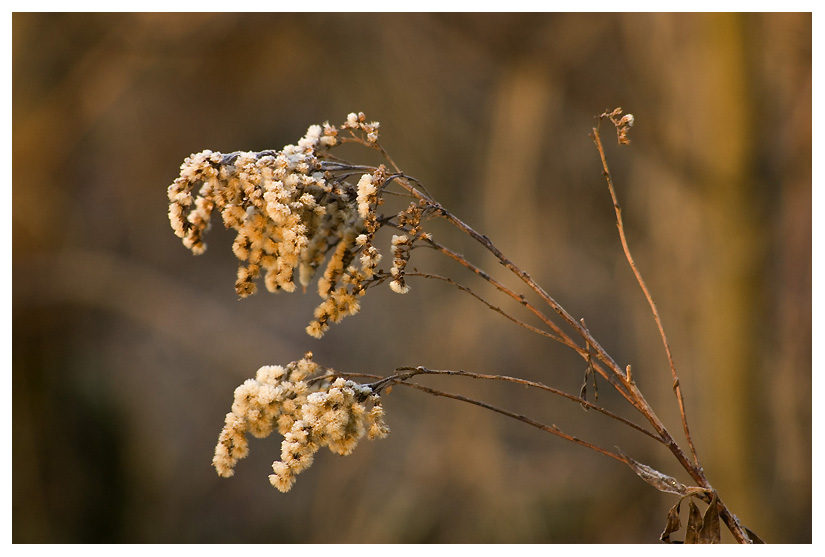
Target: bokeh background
126 348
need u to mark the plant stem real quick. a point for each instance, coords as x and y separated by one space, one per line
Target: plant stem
425 371
620 224
620 379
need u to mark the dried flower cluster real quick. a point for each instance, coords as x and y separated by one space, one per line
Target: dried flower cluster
409 219
309 414
622 123
293 209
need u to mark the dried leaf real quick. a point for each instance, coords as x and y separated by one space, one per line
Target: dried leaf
673 523
711 531
590 371
754 538
700 493
660 481
694 524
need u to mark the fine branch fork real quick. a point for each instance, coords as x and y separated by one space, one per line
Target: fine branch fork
301 208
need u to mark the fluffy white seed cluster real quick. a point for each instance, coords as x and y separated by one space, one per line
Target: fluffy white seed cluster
336 418
277 202
290 213
333 415
401 254
359 122
270 400
402 245
293 210
367 194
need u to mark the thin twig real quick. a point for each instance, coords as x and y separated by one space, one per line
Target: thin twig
676 387
527 279
497 309
548 428
426 371
562 336
617 380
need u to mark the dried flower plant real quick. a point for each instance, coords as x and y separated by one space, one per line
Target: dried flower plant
302 208
310 413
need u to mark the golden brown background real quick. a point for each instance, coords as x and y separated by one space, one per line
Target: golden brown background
126 348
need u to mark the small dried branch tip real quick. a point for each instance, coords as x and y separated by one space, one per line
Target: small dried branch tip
622 123
335 413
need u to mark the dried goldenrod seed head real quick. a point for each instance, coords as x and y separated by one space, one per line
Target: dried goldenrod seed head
296 209
375 418
366 195
401 253
310 414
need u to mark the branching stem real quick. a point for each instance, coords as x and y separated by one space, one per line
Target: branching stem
619 378
548 428
425 371
497 309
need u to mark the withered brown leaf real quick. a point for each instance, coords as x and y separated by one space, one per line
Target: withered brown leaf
711 531
673 523
754 538
694 524
660 481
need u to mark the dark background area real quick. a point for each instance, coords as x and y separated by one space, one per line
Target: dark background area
126 348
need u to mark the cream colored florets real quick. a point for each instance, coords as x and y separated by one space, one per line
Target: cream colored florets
289 212
336 418
401 253
310 415
366 195
294 211
399 286
359 122
258 404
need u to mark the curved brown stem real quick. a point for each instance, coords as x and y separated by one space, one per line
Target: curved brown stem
497 309
618 380
548 428
676 387
420 370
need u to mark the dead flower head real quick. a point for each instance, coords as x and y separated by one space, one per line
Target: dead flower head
294 211
309 413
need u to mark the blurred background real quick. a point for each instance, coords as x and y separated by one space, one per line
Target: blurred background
126 348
